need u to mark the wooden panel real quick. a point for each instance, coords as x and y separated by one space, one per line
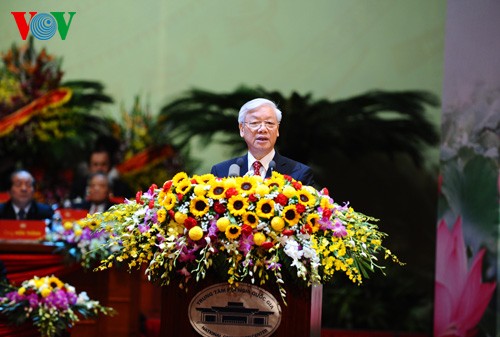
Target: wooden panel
295 321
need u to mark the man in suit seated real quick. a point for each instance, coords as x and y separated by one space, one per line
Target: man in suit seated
259 121
100 160
21 205
98 199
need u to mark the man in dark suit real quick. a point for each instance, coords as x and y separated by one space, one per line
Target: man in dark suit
259 121
98 199
21 205
100 160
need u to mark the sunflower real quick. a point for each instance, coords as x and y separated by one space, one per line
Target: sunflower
199 206
291 215
203 179
306 198
250 218
169 201
233 232
54 282
217 189
161 214
276 181
313 221
237 205
265 208
183 187
179 177
246 184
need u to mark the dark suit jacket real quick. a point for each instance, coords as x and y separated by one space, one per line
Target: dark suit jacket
284 165
86 205
118 186
38 211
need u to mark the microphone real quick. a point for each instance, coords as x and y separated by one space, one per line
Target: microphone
272 165
234 170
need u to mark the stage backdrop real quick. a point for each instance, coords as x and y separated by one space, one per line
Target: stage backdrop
466 300
160 48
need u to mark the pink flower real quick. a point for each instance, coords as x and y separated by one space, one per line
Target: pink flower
460 296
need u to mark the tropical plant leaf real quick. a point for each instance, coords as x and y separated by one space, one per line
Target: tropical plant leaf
311 129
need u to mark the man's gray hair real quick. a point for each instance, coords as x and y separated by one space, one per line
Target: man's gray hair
254 104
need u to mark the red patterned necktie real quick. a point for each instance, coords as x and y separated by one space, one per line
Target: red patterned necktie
256 168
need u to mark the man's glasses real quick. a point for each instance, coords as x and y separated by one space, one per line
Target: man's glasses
256 125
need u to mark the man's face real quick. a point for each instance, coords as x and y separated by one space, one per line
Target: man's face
99 162
259 138
98 189
22 190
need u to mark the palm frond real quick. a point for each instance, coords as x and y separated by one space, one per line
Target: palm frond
377 121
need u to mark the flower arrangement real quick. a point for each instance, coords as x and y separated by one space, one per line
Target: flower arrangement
50 304
82 242
247 228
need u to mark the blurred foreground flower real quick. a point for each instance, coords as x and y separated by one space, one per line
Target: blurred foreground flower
50 304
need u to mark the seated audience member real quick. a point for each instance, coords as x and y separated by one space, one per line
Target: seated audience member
100 161
21 205
99 191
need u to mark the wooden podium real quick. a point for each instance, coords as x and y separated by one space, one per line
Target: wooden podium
300 317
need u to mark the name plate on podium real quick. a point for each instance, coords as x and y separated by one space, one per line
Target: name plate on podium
71 214
246 310
27 230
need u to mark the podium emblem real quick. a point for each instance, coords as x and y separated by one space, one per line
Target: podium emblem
243 311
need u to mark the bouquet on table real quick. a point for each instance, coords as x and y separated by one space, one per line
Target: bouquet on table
82 241
50 304
247 228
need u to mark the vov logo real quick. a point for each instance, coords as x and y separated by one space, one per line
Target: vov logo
43 26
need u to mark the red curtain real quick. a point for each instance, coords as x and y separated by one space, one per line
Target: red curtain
22 267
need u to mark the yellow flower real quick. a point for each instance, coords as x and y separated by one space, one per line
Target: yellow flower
325 203
169 201
250 218
277 223
195 233
199 206
306 198
45 292
291 215
222 223
237 205
180 217
246 185
262 190
21 290
229 182
203 179
161 215
54 282
217 189
233 232
68 225
199 190
265 208
183 187
289 191
313 221
259 238
179 177
276 181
